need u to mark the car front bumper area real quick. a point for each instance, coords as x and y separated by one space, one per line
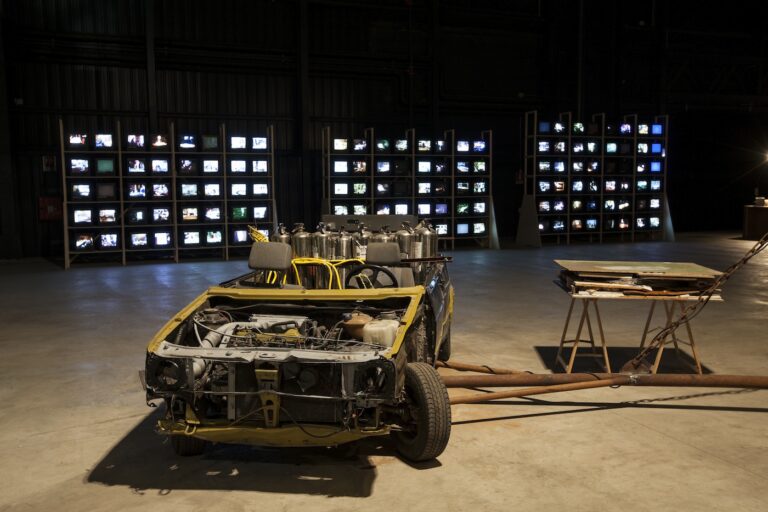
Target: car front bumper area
273 399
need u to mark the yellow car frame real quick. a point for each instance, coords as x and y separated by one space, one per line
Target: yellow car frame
286 367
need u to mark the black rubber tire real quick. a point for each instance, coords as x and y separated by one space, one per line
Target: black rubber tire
187 446
428 397
444 354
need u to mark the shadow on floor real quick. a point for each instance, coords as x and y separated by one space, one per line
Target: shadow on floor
144 460
618 356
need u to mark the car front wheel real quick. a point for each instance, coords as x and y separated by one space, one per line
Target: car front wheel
426 432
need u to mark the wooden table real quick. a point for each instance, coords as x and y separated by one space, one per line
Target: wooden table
587 319
590 321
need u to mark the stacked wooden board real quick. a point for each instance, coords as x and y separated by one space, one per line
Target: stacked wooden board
633 278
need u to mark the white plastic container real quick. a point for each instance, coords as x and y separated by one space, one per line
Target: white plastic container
381 332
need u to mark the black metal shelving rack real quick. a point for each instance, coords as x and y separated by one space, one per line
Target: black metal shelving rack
599 194
220 232
432 178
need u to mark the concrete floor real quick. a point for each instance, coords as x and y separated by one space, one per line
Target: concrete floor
75 433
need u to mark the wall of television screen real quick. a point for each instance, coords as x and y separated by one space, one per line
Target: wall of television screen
597 177
446 180
160 192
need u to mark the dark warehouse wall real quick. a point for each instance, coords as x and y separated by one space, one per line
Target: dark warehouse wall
392 64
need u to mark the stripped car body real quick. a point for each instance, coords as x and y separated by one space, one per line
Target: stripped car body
305 367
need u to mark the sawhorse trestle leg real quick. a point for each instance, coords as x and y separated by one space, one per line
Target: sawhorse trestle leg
584 319
669 310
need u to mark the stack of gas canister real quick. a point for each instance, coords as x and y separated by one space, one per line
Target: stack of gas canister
327 244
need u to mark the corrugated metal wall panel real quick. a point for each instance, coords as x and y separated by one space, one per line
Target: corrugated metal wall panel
262 24
35 131
225 94
365 100
113 17
368 28
482 74
62 87
122 89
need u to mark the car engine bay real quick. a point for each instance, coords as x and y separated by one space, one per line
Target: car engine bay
268 364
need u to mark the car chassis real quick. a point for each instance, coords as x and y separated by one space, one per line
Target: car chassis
275 366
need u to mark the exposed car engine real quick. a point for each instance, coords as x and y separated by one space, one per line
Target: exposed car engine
353 330
267 368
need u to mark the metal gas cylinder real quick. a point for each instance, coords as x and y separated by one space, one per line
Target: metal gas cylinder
322 243
384 236
301 241
360 240
343 245
282 235
426 236
405 238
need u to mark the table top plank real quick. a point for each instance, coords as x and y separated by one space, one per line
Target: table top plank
593 294
655 269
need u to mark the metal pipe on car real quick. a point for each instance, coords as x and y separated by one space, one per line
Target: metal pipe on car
212 340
